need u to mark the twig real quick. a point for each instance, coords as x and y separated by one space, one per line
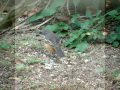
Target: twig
4 31
42 23
37 26
17 26
68 8
75 7
48 4
30 28
4 6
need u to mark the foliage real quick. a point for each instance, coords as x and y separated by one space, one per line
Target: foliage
82 46
60 28
114 37
79 31
4 45
47 11
116 74
20 67
34 60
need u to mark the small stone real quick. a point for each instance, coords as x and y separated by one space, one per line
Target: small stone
83 54
69 66
78 79
86 60
44 55
48 66
114 56
104 56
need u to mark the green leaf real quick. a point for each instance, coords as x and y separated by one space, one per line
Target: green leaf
89 14
86 24
74 18
57 27
118 36
115 44
74 36
73 45
96 34
63 26
116 73
20 67
98 13
39 15
62 34
48 11
82 46
117 17
113 13
82 36
5 45
118 29
75 23
69 41
34 61
111 38
76 33
54 27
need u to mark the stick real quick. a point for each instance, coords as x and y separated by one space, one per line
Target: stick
42 23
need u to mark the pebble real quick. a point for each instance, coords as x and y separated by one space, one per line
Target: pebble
48 66
69 66
86 60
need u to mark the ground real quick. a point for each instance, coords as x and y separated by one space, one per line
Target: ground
27 64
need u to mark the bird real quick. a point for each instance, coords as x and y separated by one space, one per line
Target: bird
49 48
52 43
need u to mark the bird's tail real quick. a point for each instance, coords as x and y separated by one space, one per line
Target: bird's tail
59 52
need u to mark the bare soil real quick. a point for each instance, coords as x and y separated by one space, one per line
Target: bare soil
26 66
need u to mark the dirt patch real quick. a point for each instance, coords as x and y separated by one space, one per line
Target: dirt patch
91 70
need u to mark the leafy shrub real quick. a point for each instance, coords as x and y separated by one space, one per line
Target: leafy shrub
114 37
82 29
60 28
79 31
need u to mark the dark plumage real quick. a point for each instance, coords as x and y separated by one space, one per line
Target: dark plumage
54 40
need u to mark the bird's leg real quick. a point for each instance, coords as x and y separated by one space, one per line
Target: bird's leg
57 60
